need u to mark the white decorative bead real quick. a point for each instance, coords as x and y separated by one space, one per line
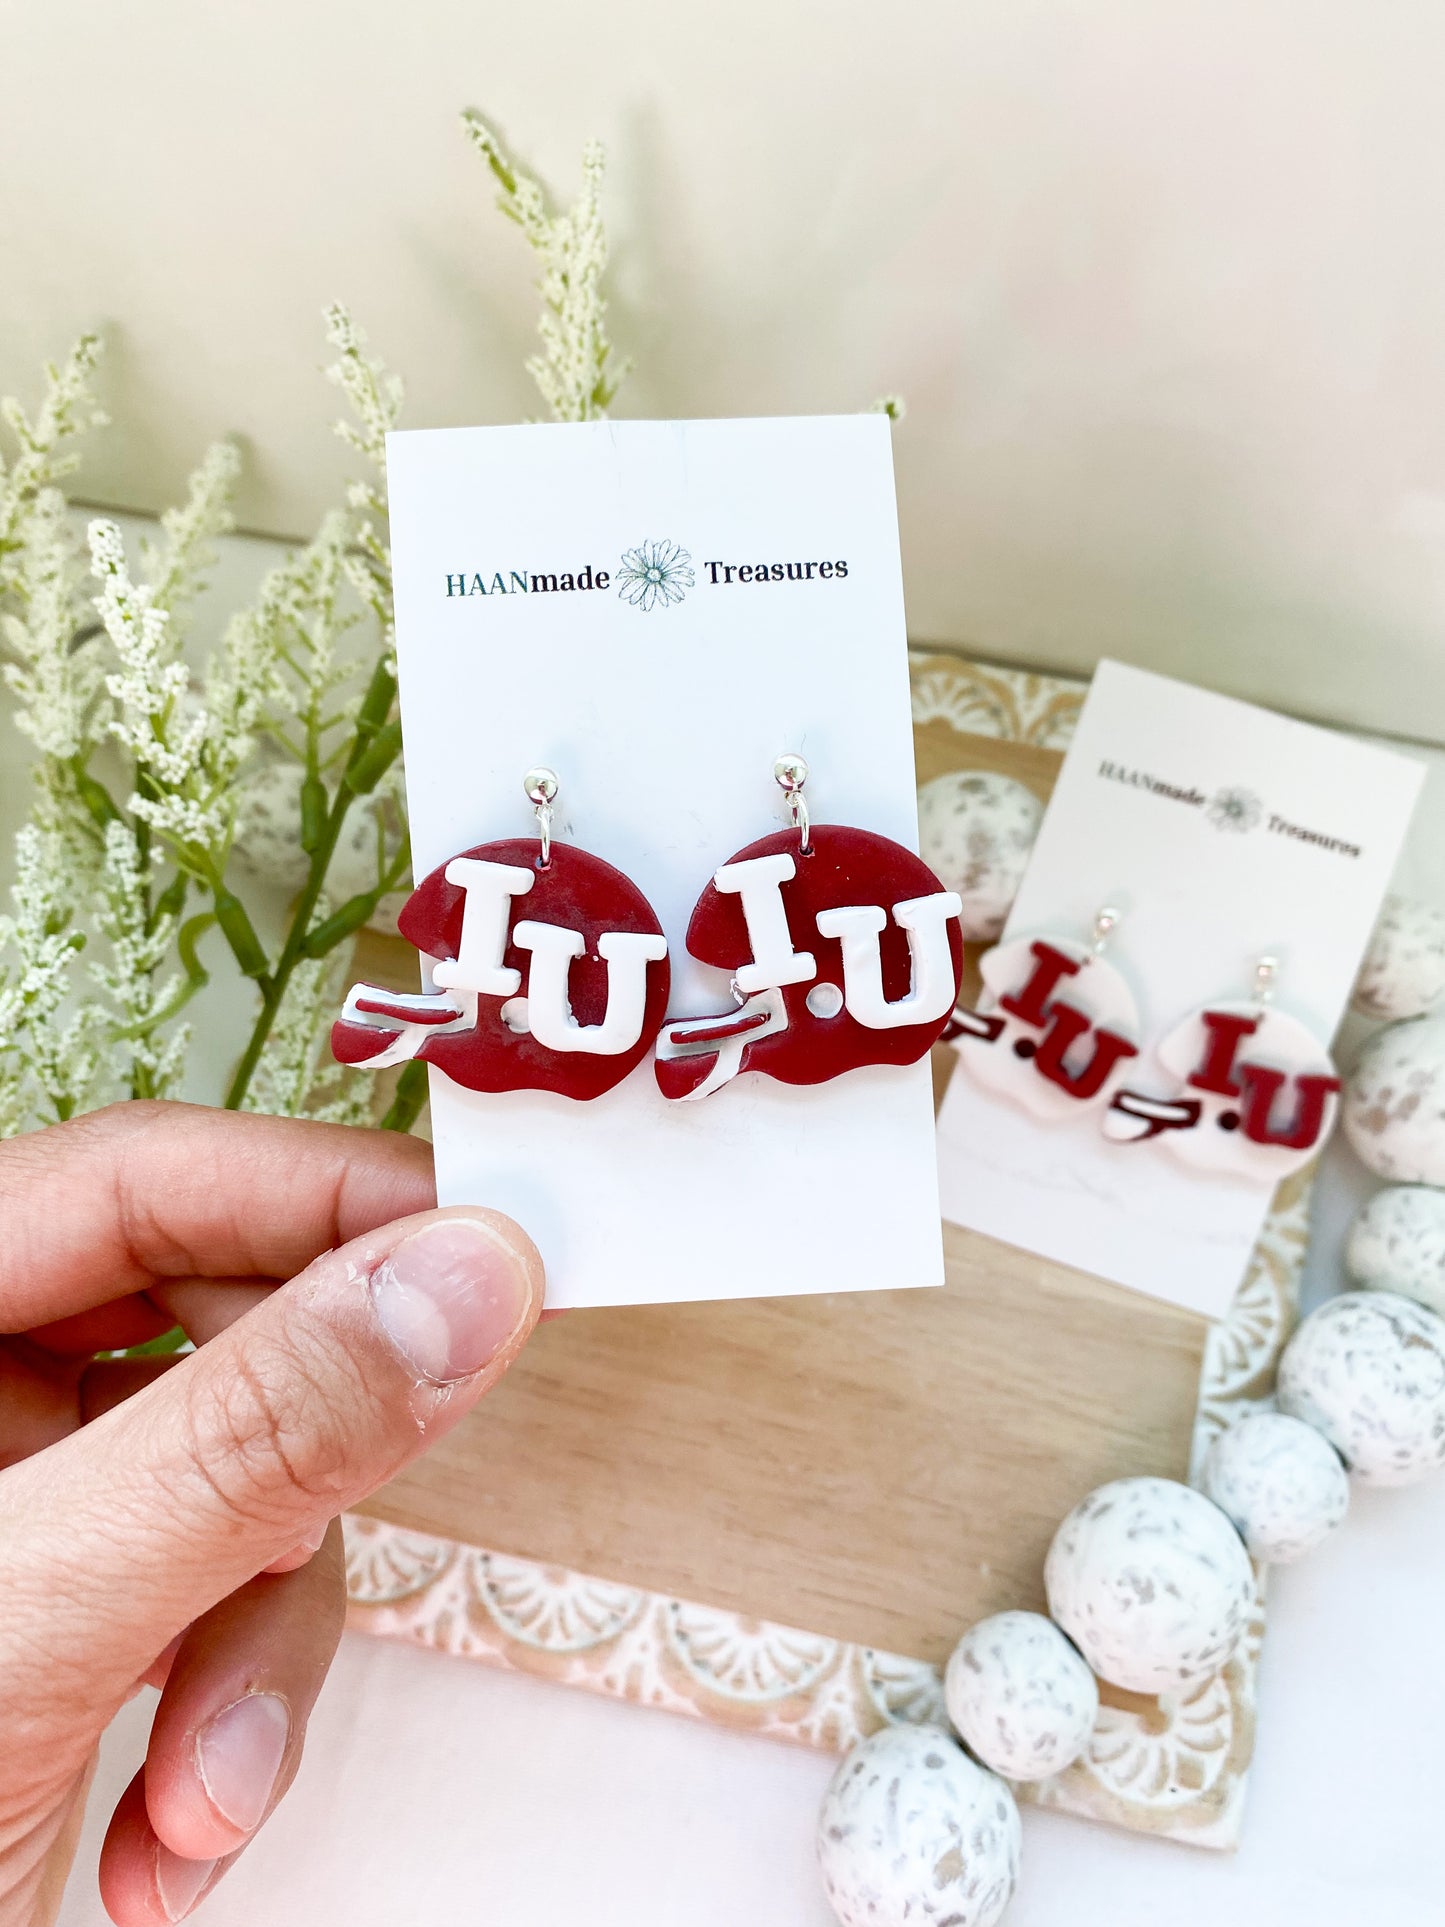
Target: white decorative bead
1280 1482
1368 1370
1394 1105
914 1834
1403 974
1021 1697
1397 1243
1152 1583
975 832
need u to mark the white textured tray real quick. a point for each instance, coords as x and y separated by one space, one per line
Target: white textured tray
1176 1767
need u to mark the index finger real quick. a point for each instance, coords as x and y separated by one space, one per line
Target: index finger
113 1202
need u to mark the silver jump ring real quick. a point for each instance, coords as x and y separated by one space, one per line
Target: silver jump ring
1105 922
540 788
790 772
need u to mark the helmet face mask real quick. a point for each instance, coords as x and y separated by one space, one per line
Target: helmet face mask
840 955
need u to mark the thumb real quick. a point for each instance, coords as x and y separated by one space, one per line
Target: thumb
115 1539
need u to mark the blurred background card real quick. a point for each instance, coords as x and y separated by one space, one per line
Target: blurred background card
1221 833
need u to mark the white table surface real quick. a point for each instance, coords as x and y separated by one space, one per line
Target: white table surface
436 1792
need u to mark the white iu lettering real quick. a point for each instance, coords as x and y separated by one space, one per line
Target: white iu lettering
758 880
932 988
490 888
549 1009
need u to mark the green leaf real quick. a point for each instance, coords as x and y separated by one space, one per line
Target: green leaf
411 1094
171 1341
187 937
240 933
172 900
366 771
376 703
340 925
96 799
315 807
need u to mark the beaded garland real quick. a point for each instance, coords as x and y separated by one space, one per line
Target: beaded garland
1149 1580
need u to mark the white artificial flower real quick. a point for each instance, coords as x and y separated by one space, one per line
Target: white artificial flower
176 567
42 453
57 1050
574 372
55 680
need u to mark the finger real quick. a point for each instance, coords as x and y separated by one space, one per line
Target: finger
108 1328
143 1520
68 1820
304 1551
45 1394
104 1205
202 1307
205 1306
159 1670
229 1729
37 1402
142 1883
109 1382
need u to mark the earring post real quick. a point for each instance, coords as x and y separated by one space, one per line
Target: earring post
790 773
540 787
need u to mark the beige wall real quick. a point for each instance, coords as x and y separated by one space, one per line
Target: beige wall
1163 282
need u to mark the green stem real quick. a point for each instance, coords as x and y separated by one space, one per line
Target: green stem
273 987
371 721
411 1092
140 1081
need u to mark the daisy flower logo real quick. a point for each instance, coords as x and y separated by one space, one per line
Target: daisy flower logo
654 574
1235 809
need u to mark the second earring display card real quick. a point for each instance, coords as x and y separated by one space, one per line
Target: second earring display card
656 612
1151 1053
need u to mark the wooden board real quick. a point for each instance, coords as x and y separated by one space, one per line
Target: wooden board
882 1468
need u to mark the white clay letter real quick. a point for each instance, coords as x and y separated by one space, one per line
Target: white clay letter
758 881
932 990
549 1008
490 888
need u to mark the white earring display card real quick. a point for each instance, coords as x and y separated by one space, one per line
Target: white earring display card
657 612
1130 1113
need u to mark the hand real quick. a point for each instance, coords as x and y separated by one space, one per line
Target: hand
174 1520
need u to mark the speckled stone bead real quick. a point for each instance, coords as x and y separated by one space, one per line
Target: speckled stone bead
1022 1699
1152 1583
268 842
914 1834
1368 1371
975 832
268 826
1394 1103
1281 1483
1403 974
1397 1243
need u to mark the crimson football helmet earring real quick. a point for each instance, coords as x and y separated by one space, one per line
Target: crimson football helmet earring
1257 1091
568 998
843 948
1056 1024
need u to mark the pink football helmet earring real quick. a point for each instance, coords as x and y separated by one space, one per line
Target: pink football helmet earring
1056 1025
1257 1092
